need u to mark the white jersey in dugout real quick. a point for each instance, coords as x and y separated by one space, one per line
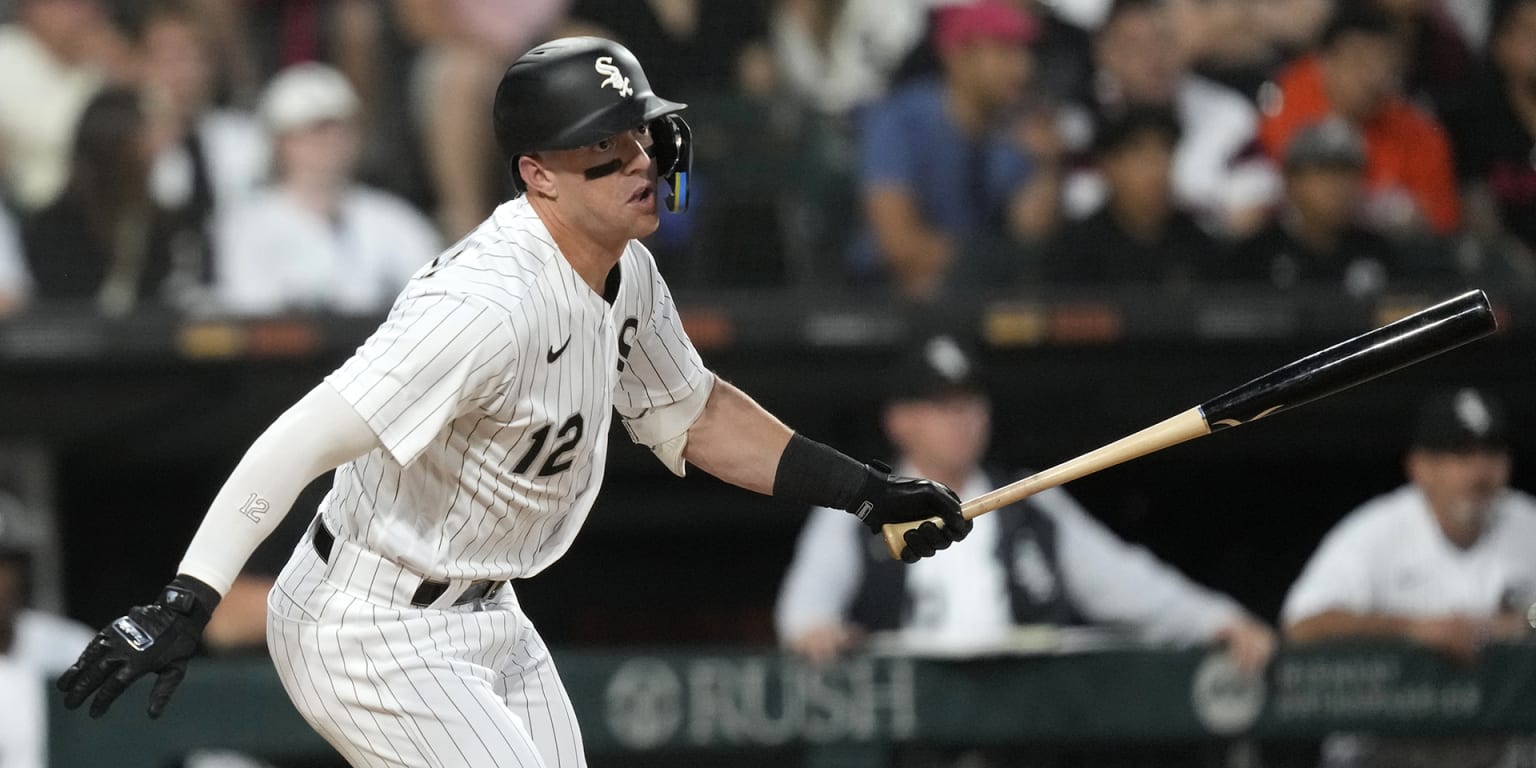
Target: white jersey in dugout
491 386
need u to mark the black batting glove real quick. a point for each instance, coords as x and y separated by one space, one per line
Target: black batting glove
885 498
159 638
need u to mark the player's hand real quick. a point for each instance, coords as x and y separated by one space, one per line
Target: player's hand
157 638
822 644
1249 643
886 498
1459 637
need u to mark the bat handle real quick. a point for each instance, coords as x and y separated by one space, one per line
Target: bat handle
895 533
1171 431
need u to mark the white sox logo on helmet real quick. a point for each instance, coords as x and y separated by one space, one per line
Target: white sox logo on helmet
620 83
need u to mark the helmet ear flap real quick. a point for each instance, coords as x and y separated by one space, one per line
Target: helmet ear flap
672 149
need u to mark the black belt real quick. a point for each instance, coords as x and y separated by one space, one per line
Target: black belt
430 589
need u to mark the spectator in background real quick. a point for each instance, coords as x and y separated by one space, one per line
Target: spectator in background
54 58
1043 561
104 240
1224 41
949 187
465 47
1314 239
1355 74
1447 561
1495 139
15 284
315 240
1140 235
212 157
1139 65
1438 61
1293 27
838 55
693 47
31 642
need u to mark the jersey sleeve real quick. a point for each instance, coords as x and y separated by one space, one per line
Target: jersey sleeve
1115 582
435 358
659 365
824 576
1336 578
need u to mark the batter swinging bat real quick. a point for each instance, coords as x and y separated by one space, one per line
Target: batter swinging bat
1418 336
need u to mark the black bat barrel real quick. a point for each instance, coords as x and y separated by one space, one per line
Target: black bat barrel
1423 334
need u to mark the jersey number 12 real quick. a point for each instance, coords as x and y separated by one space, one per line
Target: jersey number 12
559 459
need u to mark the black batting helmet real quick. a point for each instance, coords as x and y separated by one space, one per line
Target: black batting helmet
575 91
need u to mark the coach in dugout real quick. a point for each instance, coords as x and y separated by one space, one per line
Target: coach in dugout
1447 561
1043 561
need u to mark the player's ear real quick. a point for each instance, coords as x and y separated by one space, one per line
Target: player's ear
536 177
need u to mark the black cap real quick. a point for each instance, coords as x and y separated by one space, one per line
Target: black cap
1331 143
940 366
1461 421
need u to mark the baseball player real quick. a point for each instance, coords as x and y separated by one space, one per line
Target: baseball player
469 434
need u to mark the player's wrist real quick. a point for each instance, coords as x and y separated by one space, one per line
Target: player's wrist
813 473
190 597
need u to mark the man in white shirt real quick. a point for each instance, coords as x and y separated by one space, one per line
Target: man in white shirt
1447 561
1043 561
315 240
34 646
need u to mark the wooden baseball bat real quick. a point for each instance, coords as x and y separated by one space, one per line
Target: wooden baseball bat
1421 335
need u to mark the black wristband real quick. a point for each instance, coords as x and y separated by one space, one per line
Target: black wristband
190 597
812 473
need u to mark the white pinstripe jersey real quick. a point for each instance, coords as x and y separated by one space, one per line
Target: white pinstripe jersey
491 387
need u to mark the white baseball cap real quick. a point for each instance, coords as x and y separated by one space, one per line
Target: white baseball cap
305 94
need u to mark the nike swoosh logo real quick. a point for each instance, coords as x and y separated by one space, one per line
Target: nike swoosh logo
554 354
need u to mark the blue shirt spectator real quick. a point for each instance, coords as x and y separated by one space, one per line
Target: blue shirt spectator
963 185
947 169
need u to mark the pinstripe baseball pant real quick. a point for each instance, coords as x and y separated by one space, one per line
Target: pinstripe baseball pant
391 685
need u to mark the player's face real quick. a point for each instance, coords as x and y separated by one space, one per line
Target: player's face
609 186
1460 487
324 150
945 436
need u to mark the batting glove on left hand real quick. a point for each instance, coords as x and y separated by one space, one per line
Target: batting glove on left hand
886 498
159 637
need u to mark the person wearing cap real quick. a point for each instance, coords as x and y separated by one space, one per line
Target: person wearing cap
1044 561
950 191
1316 238
1141 236
1356 74
1447 561
316 240
469 434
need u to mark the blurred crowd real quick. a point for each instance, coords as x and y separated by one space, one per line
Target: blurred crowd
274 156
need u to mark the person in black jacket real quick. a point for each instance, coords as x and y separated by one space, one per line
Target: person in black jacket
104 241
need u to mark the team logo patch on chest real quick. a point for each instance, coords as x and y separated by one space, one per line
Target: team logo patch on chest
615 78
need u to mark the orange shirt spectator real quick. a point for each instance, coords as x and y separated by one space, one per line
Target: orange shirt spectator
1355 76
